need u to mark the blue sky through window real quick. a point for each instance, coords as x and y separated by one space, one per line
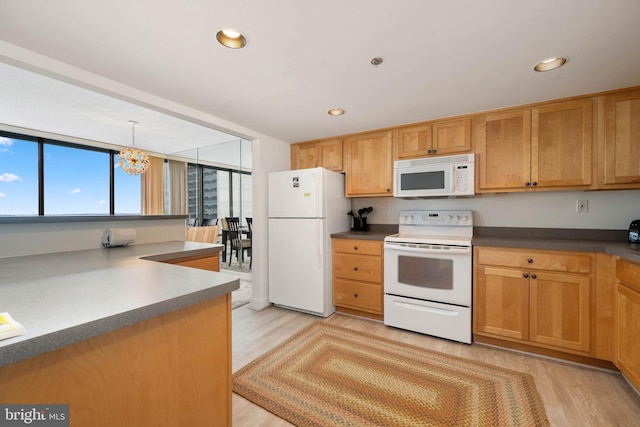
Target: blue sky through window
76 181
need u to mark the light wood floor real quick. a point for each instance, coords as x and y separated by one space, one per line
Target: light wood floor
573 395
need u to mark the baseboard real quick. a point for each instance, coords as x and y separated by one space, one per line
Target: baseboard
259 304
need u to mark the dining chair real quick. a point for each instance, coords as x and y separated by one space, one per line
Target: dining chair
237 243
210 221
205 234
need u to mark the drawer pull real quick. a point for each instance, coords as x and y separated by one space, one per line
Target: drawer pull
355 248
355 268
530 260
525 275
533 276
355 295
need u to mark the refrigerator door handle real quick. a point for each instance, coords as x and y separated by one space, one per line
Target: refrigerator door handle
319 243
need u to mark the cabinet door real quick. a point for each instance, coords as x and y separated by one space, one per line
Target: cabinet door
501 303
628 333
622 141
504 150
561 144
331 155
413 142
305 155
452 137
369 165
559 310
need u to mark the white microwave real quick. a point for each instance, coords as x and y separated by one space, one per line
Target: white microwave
445 176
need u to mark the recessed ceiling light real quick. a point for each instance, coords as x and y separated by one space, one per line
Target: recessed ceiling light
231 38
336 112
550 64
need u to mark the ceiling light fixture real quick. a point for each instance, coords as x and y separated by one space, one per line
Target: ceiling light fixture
549 64
231 38
336 112
131 160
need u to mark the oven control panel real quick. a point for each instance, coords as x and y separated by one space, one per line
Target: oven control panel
440 218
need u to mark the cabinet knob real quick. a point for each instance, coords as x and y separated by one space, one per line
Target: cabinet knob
355 248
526 184
434 151
533 276
355 268
355 295
530 260
534 183
388 190
429 151
525 275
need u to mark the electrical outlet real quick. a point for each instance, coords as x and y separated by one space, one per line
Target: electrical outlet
391 207
582 206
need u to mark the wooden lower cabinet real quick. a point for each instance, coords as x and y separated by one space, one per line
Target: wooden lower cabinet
358 277
211 263
539 298
170 370
628 320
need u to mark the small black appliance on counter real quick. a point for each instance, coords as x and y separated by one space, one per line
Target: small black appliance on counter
634 231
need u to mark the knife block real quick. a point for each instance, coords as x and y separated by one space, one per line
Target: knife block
360 224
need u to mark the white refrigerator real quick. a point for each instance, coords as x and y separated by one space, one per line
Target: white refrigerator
305 207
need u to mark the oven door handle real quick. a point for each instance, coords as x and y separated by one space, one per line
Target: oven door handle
401 247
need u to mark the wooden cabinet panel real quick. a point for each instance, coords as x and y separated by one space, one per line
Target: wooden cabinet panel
332 155
413 142
548 302
622 140
358 277
628 333
357 267
452 137
502 303
562 144
531 259
560 310
503 150
211 263
305 155
358 295
369 165
362 247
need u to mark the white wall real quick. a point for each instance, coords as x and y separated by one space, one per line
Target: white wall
30 239
609 210
269 155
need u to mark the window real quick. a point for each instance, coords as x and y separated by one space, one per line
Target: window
76 181
18 176
39 176
215 193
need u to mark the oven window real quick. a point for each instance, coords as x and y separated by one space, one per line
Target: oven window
422 180
425 272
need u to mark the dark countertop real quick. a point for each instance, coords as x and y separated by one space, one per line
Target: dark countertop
607 241
66 297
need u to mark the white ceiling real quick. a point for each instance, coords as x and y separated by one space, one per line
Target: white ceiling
441 58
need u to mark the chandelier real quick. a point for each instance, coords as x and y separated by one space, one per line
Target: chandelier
131 160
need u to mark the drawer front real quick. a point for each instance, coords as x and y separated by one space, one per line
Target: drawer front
358 267
574 262
629 274
353 246
361 296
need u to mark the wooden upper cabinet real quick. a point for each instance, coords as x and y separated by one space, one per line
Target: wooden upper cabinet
503 150
543 147
331 154
434 139
562 144
369 164
326 153
622 140
305 155
452 137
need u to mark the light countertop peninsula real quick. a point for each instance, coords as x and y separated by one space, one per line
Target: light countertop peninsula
66 297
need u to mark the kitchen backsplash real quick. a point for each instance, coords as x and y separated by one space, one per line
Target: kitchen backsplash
612 210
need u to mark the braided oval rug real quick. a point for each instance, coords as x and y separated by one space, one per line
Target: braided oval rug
327 375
